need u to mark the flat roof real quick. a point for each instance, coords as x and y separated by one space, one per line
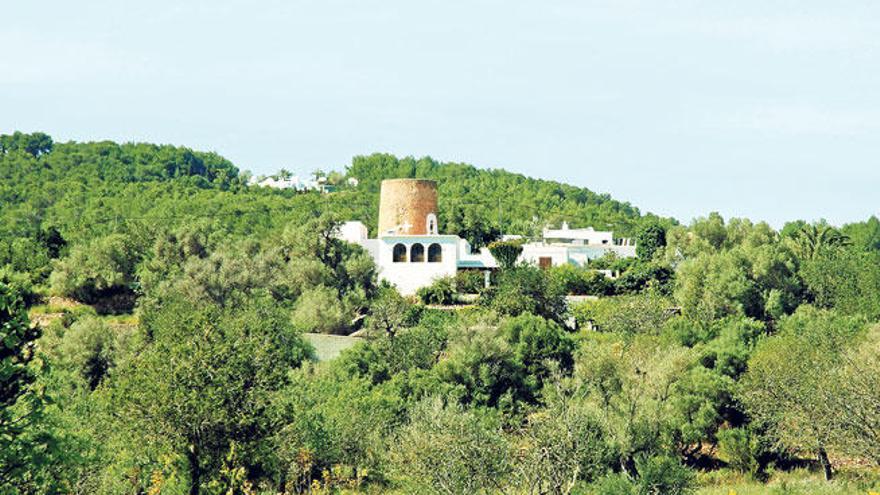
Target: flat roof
418 236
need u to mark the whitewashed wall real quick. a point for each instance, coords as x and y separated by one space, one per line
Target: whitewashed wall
409 276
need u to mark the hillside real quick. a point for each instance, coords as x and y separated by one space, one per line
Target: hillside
498 197
57 195
166 328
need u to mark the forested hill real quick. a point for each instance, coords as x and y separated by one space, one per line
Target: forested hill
58 195
89 189
518 203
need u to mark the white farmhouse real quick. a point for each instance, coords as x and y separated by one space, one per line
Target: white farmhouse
410 252
576 246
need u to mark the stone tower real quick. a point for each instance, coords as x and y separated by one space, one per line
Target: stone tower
408 207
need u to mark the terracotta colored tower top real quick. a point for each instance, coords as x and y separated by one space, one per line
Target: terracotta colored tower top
408 207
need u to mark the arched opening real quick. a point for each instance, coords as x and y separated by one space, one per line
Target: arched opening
417 253
399 253
435 253
432 224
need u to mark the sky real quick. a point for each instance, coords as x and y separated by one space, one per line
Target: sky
763 109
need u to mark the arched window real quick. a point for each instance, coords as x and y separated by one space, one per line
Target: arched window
435 254
417 253
432 223
399 253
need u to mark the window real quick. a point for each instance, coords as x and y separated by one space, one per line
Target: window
399 253
432 223
545 262
435 253
417 253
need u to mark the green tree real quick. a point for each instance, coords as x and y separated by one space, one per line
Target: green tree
790 381
649 239
405 353
319 310
643 313
207 378
482 369
562 444
864 235
35 144
470 224
20 403
506 253
845 279
537 342
100 269
91 348
636 389
325 421
390 312
812 240
855 402
526 289
449 449
715 285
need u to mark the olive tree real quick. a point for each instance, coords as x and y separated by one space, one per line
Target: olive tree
856 401
791 383
449 449
207 378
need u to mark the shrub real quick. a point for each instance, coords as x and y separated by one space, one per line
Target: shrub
469 281
535 341
739 449
482 369
563 444
526 289
319 310
644 275
597 284
581 281
615 484
639 313
69 316
441 291
448 449
664 475
103 267
390 312
22 281
91 349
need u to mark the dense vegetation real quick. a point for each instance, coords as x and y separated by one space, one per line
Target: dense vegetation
169 302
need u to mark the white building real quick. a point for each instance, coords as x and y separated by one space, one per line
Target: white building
411 254
410 262
576 246
294 182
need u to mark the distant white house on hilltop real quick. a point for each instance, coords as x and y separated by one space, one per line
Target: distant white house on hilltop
410 252
297 184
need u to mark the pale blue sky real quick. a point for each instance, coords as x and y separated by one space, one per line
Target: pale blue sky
766 109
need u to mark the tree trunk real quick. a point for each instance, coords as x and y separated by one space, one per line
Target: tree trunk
825 463
628 466
195 471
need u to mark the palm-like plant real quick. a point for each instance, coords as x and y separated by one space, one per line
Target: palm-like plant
811 240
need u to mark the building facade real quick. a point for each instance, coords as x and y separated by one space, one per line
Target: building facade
410 253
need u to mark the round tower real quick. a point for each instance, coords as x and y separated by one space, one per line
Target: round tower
408 207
